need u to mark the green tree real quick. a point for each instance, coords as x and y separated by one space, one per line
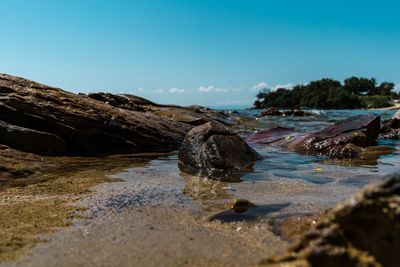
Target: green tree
329 93
385 88
360 86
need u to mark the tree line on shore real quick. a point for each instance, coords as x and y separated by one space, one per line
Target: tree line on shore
354 92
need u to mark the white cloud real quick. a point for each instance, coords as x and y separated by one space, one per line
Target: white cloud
397 87
158 91
176 91
286 86
259 87
212 88
264 86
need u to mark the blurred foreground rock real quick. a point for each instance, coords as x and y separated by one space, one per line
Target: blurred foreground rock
363 231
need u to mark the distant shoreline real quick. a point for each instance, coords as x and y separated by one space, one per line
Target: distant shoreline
395 106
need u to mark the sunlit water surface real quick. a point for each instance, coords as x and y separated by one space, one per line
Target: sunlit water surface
300 183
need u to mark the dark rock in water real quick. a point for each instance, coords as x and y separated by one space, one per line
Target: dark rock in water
396 115
391 128
241 205
359 130
364 231
86 126
32 141
297 113
343 139
272 136
212 150
276 112
393 134
270 112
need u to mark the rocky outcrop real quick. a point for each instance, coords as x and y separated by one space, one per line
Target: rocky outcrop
212 150
343 139
128 102
391 128
192 115
78 125
363 231
29 140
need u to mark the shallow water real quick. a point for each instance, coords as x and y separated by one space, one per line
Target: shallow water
300 183
320 119
136 219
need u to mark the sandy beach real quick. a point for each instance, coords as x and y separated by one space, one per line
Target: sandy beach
394 107
154 216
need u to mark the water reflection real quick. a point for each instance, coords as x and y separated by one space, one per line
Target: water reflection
309 183
61 168
218 197
214 195
250 214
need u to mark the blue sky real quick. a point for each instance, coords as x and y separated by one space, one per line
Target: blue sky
209 52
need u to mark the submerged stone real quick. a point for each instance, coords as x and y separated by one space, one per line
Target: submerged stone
241 205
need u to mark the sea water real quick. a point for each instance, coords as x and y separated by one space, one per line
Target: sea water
300 184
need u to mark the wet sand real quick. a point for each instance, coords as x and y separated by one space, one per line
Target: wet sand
155 237
396 106
44 197
158 217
